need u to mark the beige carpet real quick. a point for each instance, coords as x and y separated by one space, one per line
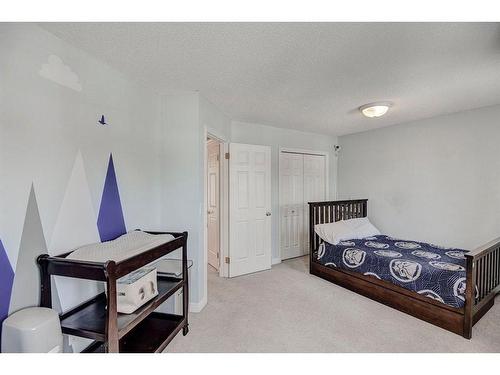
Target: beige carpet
288 310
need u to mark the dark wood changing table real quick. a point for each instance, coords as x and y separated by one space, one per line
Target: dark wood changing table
143 331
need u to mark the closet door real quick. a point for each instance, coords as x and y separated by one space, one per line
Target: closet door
314 188
291 204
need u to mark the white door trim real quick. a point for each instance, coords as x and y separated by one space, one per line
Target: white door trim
224 212
213 201
327 182
224 202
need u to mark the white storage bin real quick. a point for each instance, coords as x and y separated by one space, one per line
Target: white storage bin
135 289
32 330
173 268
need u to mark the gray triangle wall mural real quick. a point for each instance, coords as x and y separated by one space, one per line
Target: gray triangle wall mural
26 288
110 221
6 279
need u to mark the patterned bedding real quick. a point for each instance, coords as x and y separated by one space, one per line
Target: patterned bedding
427 269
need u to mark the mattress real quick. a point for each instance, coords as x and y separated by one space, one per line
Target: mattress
430 270
124 247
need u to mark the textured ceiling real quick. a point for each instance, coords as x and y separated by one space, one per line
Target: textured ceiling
307 76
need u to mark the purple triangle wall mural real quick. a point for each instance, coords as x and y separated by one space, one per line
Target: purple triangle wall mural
110 221
6 280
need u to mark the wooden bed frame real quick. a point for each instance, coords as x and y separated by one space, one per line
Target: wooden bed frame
482 270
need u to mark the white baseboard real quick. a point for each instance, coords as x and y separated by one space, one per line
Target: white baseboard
275 261
196 307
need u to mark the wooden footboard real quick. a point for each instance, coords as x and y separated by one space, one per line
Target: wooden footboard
482 280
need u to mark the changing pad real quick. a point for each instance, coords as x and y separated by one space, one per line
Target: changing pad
124 247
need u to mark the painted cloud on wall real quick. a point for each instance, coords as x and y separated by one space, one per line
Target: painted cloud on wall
55 70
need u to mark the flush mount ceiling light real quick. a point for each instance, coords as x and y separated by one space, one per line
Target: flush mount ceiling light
377 109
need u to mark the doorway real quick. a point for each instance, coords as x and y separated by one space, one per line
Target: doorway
303 178
213 199
237 196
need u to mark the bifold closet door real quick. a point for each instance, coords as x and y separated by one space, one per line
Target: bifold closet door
291 204
314 187
249 208
302 180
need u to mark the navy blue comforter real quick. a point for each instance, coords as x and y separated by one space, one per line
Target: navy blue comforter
427 269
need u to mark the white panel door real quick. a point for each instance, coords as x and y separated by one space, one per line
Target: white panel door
213 237
291 204
314 187
250 208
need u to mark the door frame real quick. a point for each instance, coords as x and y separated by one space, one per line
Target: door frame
291 150
223 206
216 146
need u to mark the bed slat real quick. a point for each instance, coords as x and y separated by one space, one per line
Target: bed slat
329 212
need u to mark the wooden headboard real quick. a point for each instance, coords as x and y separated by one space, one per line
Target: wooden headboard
328 212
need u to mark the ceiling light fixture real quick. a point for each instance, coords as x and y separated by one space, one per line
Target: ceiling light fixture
377 109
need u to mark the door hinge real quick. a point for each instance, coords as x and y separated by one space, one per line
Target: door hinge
218 157
227 260
218 255
226 155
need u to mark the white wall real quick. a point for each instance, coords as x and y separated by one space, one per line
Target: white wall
435 180
214 120
182 184
157 141
278 138
45 125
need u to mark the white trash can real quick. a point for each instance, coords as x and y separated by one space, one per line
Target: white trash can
32 330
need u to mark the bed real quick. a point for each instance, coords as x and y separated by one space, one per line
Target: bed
427 281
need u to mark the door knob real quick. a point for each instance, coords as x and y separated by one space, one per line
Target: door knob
268 213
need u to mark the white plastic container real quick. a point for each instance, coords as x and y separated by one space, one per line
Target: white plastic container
32 330
135 289
173 268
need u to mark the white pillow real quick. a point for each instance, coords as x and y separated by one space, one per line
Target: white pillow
346 230
364 230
